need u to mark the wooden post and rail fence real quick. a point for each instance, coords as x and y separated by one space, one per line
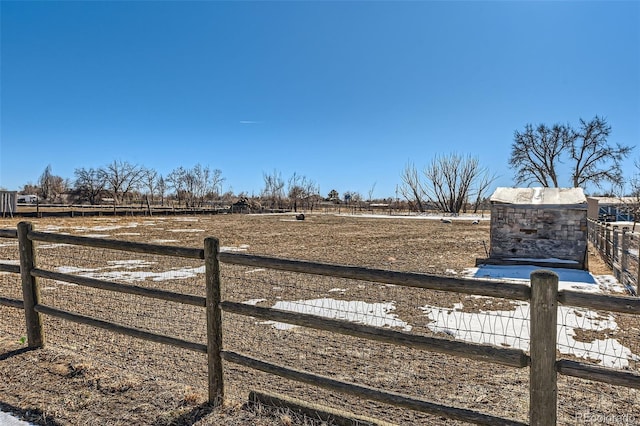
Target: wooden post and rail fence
619 247
543 296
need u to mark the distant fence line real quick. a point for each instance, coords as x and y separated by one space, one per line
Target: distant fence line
619 247
543 296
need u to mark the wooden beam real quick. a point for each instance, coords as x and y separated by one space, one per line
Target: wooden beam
406 279
191 253
14 269
14 303
186 299
603 302
617 377
367 392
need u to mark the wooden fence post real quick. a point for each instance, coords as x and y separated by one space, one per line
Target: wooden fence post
624 260
30 287
615 245
607 243
214 321
543 387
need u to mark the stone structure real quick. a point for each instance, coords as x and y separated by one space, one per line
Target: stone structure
540 226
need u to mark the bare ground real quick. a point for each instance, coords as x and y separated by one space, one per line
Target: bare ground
84 376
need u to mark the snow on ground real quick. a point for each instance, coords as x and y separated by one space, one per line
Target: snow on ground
105 227
504 328
128 275
8 420
427 216
241 247
375 314
511 328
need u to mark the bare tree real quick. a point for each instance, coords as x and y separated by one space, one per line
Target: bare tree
450 179
162 189
150 179
535 154
121 178
89 184
273 188
412 187
51 186
595 160
296 191
215 183
311 193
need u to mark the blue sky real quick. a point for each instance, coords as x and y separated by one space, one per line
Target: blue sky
344 93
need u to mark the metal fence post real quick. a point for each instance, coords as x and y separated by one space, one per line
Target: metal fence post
543 391
30 287
214 321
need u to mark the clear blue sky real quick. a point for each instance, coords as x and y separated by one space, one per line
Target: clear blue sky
345 93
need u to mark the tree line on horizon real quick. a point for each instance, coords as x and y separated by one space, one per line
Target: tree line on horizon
450 183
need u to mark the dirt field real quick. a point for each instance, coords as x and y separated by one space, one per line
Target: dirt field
85 376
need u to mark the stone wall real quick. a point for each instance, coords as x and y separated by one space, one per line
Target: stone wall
541 233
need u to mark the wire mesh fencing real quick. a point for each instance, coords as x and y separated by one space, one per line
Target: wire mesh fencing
164 317
438 378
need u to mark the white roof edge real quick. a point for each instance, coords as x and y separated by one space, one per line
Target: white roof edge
540 196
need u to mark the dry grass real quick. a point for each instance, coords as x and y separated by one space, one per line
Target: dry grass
86 376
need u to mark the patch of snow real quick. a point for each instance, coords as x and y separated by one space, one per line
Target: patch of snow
130 276
11 244
511 328
131 263
50 246
164 241
74 270
334 290
96 235
241 247
375 314
254 301
128 233
105 227
186 230
50 228
460 218
7 419
253 271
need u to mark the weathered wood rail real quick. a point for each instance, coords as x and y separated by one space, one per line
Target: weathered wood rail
619 247
543 295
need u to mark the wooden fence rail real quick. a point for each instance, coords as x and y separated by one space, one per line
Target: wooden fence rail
619 247
543 296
